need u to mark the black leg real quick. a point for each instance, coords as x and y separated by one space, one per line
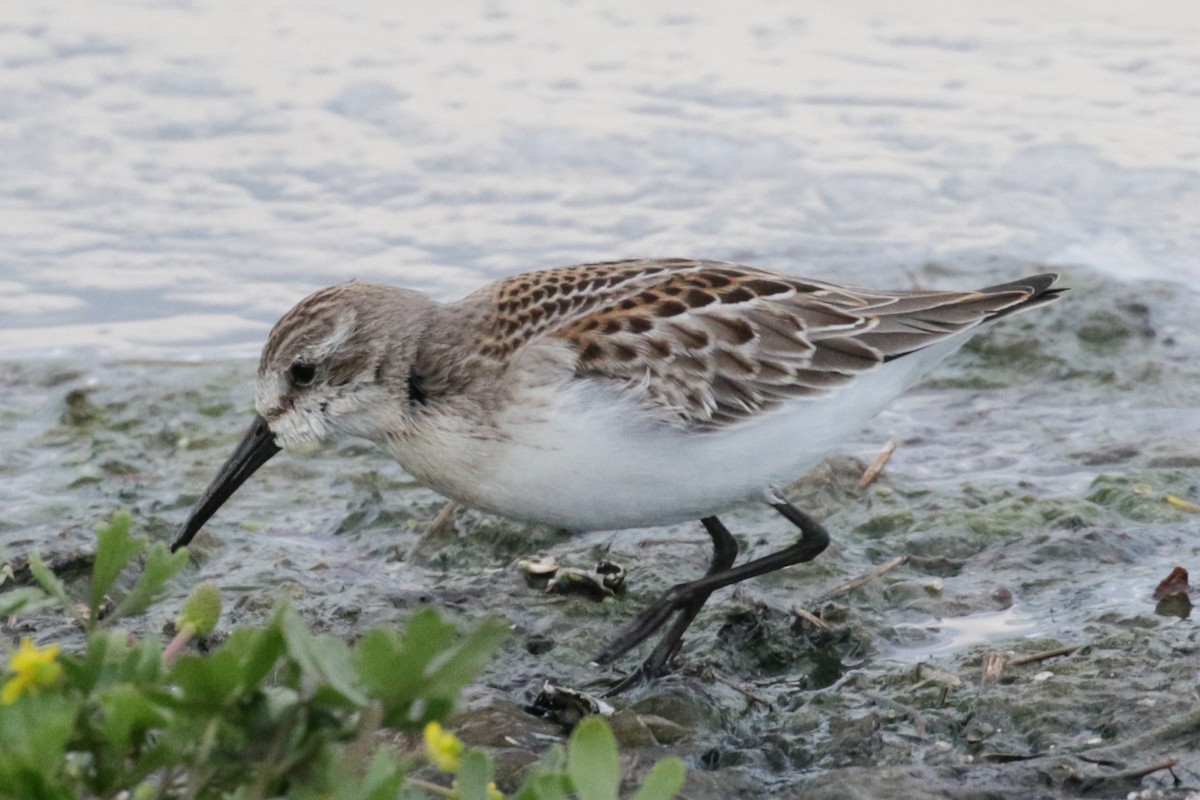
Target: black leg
688 598
725 550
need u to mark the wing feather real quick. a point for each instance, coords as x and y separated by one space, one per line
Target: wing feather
707 344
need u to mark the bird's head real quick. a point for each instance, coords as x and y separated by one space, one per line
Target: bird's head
340 362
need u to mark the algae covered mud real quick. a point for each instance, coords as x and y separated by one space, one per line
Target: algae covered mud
1043 484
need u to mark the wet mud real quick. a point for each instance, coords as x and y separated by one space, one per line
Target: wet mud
1041 488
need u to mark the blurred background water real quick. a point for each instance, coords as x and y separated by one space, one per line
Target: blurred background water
175 175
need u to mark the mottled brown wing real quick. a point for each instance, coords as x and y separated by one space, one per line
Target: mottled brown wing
708 343
529 305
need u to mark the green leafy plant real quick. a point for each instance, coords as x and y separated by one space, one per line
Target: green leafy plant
273 711
589 769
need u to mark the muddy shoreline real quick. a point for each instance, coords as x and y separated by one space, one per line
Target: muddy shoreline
1026 496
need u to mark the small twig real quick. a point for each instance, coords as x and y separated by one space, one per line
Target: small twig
1147 770
811 618
854 583
872 472
1137 774
917 718
1181 504
429 786
414 554
442 518
739 688
1039 657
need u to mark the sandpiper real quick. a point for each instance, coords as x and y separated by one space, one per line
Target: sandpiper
607 396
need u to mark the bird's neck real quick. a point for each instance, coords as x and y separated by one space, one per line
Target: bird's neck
448 364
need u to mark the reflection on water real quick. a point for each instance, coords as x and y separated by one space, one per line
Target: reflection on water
950 635
1094 592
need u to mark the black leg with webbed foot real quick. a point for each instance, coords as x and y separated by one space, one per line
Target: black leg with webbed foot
687 599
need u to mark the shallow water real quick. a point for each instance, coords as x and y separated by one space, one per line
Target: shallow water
177 174
180 174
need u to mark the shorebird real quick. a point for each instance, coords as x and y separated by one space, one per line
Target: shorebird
607 396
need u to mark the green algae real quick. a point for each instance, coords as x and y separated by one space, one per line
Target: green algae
1142 496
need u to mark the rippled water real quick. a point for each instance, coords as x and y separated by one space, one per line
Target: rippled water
175 175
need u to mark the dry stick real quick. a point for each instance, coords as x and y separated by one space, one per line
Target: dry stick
732 684
876 467
1093 782
848 586
854 583
414 554
1037 657
442 518
1137 774
429 786
812 618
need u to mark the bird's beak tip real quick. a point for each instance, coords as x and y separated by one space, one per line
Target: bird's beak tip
256 448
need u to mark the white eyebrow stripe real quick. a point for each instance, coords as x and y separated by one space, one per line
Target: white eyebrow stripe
340 335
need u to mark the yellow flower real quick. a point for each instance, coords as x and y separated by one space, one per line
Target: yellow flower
33 668
443 748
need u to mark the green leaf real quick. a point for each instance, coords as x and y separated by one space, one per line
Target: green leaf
383 779
321 658
664 781
545 787
34 732
547 779
161 565
456 669
257 650
141 662
114 549
592 760
207 681
474 776
435 663
49 581
84 671
27 599
127 712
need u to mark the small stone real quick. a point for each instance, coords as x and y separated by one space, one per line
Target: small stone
630 730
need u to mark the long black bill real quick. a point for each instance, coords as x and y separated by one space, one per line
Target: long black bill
255 449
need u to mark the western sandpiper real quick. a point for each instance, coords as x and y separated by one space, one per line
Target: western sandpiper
608 396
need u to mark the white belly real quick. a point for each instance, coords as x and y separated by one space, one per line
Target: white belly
590 459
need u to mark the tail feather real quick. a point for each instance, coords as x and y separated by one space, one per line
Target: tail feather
898 335
1039 290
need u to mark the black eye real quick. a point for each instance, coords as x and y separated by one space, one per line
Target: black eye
302 374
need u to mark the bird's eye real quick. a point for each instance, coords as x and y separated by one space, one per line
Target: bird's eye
302 374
